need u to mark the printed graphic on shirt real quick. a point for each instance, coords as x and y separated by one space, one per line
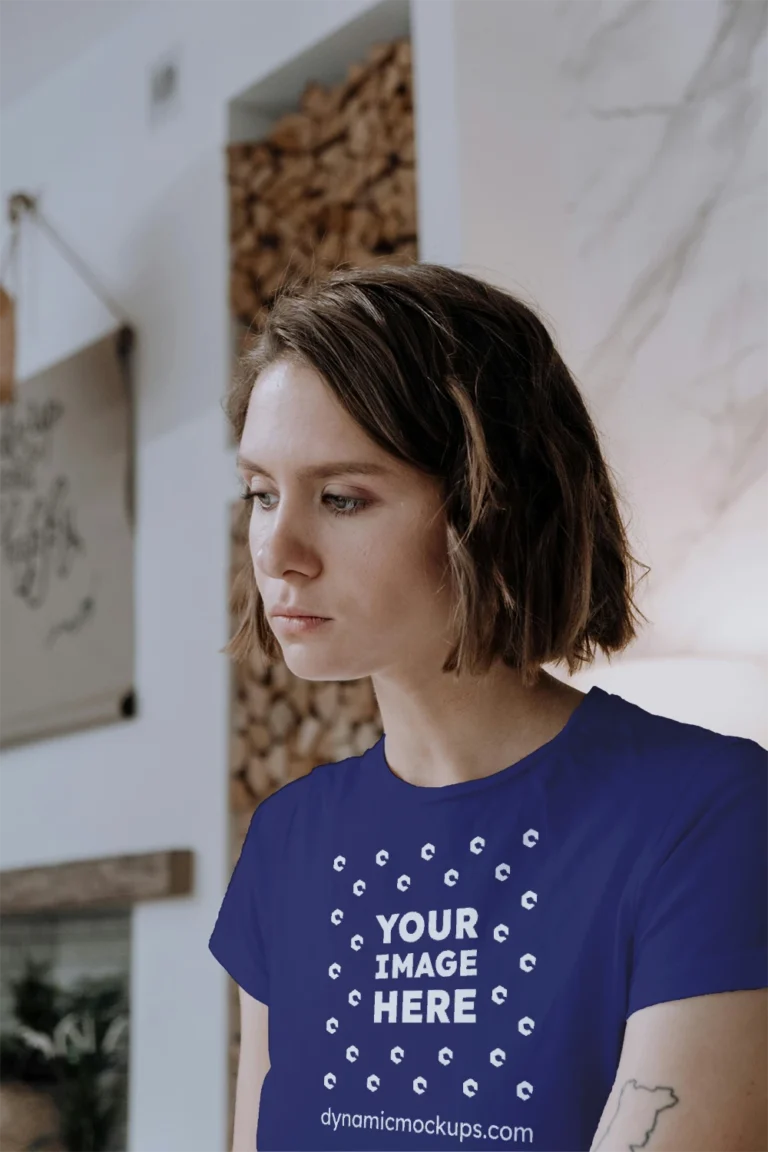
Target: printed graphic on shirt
406 972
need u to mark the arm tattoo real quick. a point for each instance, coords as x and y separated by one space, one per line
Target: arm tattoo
639 1109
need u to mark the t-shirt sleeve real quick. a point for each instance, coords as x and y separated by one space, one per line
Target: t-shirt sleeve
237 940
702 919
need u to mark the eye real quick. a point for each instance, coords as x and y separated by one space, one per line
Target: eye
250 495
353 503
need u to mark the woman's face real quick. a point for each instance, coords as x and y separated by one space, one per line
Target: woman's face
365 548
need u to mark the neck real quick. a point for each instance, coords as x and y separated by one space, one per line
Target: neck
448 729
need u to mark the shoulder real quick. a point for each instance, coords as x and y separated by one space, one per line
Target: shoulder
672 786
673 753
691 798
315 790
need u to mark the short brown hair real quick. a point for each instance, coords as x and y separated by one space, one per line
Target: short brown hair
461 380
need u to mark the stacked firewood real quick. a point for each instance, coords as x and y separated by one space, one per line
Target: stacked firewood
332 183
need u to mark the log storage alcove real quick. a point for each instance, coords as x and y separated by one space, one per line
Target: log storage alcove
331 183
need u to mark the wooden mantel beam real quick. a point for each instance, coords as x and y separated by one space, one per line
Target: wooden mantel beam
105 882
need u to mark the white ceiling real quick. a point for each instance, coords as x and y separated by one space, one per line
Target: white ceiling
37 37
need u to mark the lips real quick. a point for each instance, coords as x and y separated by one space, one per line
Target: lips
299 615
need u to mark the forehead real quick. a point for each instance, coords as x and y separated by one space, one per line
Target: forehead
293 417
295 425
295 399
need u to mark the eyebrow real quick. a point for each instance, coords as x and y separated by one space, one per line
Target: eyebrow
322 471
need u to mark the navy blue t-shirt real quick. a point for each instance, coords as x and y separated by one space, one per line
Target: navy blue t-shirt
453 967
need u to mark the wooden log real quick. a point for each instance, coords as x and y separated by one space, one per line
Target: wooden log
238 194
335 158
380 54
363 134
239 219
239 826
330 250
300 695
289 187
403 56
239 716
405 253
295 132
332 130
276 762
282 719
257 776
319 102
307 736
241 798
261 263
281 676
258 181
257 662
339 731
259 700
359 700
326 699
363 227
237 752
259 738
246 242
364 737
332 217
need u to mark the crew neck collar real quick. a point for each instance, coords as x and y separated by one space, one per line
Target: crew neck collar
382 775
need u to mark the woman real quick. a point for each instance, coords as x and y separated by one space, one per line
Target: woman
477 933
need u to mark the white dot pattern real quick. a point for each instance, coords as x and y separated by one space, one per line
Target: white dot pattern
411 927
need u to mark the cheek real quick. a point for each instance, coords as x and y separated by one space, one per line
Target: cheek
252 535
254 544
409 574
433 554
258 530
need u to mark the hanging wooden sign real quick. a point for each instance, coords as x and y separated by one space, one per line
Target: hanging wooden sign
7 346
66 545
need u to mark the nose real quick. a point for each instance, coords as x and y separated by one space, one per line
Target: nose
280 550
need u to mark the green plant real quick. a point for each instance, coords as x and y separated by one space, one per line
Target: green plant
76 1041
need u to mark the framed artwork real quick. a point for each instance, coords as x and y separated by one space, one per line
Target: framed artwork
66 545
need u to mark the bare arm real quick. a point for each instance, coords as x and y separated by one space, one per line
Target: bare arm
252 1067
693 1076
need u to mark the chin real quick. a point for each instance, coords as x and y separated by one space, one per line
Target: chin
312 666
316 674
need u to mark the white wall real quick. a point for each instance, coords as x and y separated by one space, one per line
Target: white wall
612 161
147 210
